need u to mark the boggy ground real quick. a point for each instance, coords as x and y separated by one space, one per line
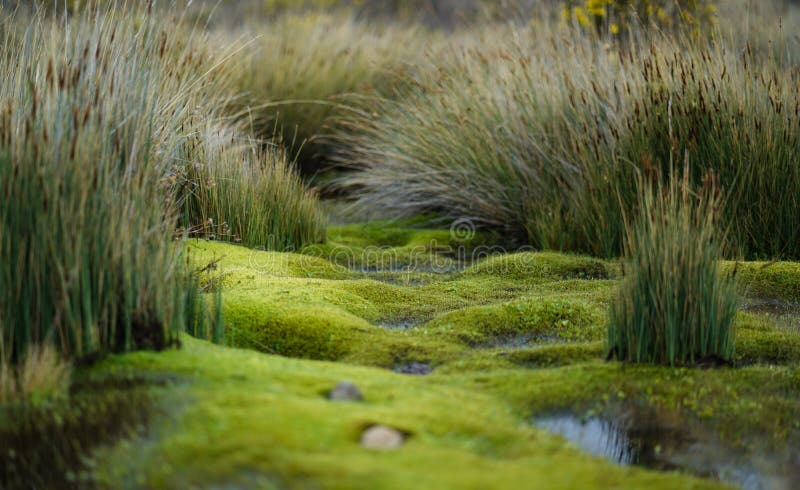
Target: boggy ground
504 339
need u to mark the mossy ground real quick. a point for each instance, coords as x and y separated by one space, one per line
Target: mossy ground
508 337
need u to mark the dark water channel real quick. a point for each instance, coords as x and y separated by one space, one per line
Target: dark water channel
632 438
49 444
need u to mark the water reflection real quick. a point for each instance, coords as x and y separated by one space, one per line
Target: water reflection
643 440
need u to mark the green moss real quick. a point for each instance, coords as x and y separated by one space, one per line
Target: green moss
269 425
246 266
742 405
759 340
543 265
392 349
306 307
558 355
404 303
251 420
539 320
318 332
774 280
390 246
509 358
317 321
385 234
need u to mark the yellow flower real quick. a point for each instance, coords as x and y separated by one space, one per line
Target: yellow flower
580 15
614 28
566 16
597 8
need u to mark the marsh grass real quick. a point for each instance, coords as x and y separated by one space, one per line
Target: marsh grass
484 132
86 129
541 134
298 68
43 373
673 305
100 113
738 116
247 193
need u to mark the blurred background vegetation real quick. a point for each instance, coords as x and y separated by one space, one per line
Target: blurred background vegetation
532 119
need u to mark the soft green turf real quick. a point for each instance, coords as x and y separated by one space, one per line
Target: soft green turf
249 420
240 418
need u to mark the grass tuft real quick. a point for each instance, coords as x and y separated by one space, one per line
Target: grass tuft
540 133
296 72
673 305
109 140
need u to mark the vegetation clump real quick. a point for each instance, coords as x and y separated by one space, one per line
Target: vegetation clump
295 75
673 305
240 191
540 136
110 139
86 240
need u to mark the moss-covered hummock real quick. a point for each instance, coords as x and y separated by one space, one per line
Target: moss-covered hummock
251 420
303 306
257 421
503 348
309 307
772 280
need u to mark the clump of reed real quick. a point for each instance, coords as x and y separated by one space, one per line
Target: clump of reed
541 135
90 112
738 117
298 68
100 112
673 305
248 193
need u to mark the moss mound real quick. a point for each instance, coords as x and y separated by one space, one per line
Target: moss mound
539 320
270 424
502 349
543 265
775 280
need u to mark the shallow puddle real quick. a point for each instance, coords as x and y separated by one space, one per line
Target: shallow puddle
398 325
785 314
414 369
49 444
520 341
643 440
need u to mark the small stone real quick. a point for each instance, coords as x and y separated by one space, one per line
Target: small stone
382 438
346 391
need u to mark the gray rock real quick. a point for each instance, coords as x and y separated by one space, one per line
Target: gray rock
346 391
382 438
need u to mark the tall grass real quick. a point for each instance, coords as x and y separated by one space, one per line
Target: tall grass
300 65
542 135
101 115
740 120
42 373
89 117
247 193
673 305
482 132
